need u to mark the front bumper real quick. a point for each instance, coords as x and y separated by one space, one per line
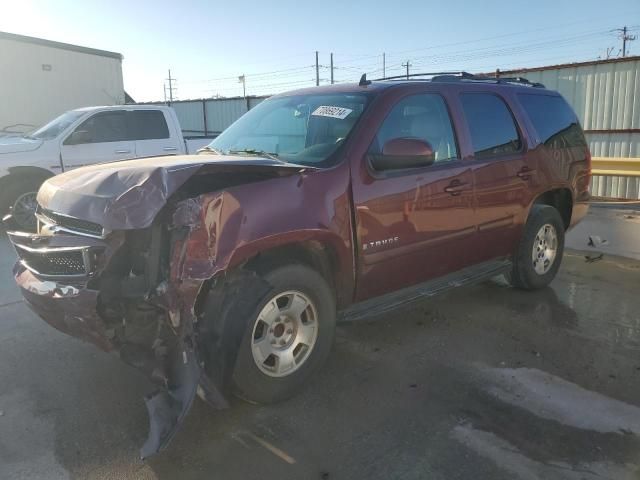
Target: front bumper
66 290
72 309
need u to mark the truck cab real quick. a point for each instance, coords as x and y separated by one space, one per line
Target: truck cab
77 138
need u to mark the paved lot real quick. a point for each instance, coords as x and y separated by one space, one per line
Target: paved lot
483 383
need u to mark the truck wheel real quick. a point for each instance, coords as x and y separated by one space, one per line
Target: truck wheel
288 337
539 254
18 197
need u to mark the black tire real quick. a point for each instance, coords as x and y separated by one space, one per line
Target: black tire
11 191
523 274
250 383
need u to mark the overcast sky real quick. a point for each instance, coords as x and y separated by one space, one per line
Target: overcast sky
207 44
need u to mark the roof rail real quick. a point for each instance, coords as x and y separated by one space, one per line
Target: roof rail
462 76
426 74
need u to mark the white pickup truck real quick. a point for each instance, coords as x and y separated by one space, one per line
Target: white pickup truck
82 137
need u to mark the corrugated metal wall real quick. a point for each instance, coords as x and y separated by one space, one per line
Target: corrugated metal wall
606 96
218 112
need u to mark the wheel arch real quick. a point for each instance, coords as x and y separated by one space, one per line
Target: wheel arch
561 199
321 255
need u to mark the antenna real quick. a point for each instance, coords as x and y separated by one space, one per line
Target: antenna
363 80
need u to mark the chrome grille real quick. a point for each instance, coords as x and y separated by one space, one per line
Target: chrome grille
53 262
71 224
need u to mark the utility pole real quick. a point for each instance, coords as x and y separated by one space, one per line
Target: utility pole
332 68
408 64
317 71
164 87
242 79
384 65
625 38
171 80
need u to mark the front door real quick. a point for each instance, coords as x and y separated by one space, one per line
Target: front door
103 137
413 224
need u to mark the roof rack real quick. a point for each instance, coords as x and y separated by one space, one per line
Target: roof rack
426 74
461 76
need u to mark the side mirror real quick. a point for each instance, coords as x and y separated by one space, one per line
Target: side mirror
400 153
78 137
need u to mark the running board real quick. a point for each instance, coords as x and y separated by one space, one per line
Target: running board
408 295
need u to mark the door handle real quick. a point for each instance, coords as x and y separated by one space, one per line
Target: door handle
456 187
169 149
123 151
526 173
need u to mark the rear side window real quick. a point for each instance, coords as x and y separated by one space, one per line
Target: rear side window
554 120
491 125
148 125
423 116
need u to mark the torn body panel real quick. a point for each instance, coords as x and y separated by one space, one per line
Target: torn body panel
163 286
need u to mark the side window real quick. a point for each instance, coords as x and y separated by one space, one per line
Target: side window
148 125
101 127
553 119
425 117
491 125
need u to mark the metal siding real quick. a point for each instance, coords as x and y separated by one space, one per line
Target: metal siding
33 96
614 144
605 96
253 101
190 117
610 186
223 112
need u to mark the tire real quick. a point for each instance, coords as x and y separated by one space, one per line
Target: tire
20 188
264 384
530 274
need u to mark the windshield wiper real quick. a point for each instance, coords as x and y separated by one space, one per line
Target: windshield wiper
253 151
208 148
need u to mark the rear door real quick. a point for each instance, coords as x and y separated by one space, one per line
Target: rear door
413 224
151 132
504 173
103 137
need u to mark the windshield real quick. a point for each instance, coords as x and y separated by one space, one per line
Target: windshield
56 126
301 129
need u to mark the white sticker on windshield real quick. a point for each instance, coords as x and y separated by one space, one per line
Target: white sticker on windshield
333 112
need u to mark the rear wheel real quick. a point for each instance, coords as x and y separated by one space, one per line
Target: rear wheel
288 337
539 254
18 197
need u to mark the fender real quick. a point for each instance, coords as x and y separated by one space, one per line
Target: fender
229 227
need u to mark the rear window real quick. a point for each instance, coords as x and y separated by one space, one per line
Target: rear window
148 125
554 120
491 125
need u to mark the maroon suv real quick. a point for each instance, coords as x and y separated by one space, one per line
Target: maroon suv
226 271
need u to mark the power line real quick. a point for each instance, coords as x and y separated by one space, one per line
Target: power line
625 37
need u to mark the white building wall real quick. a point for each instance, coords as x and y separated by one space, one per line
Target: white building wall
39 82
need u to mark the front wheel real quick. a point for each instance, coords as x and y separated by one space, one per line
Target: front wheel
288 337
539 254
18 197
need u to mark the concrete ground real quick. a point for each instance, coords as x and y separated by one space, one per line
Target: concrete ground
485 382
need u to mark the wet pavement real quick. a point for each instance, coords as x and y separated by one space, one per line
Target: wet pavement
485 382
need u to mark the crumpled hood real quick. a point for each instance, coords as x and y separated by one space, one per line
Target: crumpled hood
18 144
129 194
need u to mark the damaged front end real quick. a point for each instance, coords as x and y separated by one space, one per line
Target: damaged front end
116 293
122 256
